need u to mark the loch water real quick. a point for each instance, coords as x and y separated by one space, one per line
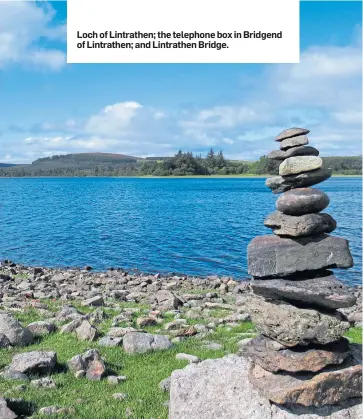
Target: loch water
199 226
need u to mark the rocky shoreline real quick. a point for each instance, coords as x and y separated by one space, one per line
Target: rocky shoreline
20 284
149 313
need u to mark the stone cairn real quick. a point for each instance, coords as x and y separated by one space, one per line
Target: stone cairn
300 357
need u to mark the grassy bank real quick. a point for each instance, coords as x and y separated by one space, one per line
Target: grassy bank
94 399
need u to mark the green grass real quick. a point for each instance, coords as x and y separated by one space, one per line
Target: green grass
93 400
355 334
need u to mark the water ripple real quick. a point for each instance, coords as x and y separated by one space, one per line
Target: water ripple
192 226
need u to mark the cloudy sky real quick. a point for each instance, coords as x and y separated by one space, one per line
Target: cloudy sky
48 107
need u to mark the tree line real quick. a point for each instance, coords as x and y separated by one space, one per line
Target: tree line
182 164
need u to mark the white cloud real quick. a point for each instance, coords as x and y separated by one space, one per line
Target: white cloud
226 117
113 119
349 117
323 93
22 25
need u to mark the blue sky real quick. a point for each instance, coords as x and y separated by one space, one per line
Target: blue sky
48 107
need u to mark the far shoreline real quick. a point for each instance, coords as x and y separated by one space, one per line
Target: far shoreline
163 177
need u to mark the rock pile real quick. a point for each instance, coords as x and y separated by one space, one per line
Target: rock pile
300 358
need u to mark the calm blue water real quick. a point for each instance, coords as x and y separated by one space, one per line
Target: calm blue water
192 226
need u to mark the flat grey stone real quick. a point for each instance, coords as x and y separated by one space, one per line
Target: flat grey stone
94 301
9 374
302 201
299 226
323 291
34 362
299 164
45 382
275 357
293 152
292 132
294 142
192 359
220 388
136 342
279 256
280 184
292 326
41 328
110 341
328 387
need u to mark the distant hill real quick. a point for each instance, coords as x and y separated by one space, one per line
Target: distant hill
76 164
109 164
92 158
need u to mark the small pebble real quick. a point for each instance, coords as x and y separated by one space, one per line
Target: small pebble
119 396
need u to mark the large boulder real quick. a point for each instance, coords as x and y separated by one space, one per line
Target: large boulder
220 388
14 331
136 342
37 362
294 326
299 164
324 291
274 256
280 184
299 226
302 201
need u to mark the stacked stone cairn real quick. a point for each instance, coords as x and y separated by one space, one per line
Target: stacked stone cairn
300 357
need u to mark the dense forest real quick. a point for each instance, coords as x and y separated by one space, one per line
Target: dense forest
182 164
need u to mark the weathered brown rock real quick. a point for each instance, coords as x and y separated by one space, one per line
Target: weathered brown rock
302 201
292 326
275 357
280 184
270 256
299 226
293 152
294 142
330 387
96 370
291 132
316 290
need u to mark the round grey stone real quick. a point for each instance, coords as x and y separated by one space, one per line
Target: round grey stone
302 201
